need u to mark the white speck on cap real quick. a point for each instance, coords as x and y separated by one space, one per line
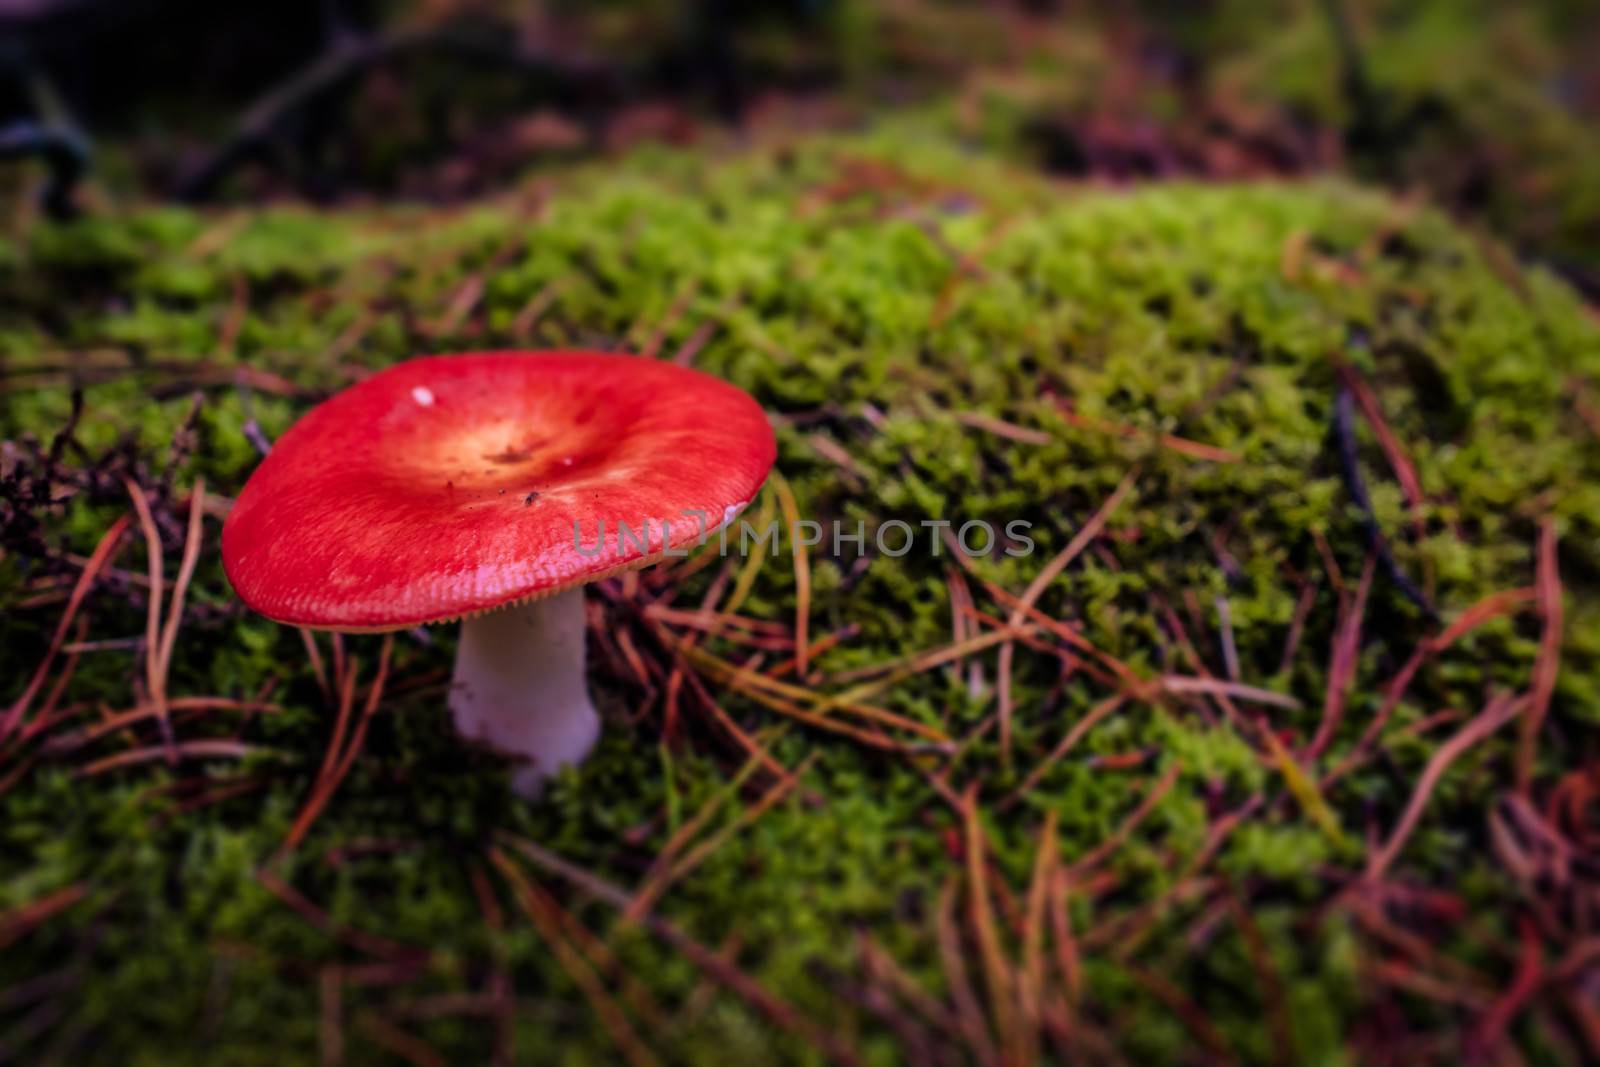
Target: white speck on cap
423 395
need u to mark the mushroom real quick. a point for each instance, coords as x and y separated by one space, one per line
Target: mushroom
490 488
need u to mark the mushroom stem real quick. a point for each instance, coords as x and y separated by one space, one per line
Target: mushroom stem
520 686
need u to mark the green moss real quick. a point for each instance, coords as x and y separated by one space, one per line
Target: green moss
849 317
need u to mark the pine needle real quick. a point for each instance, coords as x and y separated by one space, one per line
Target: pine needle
1089 721
1085 535
22 920
123 719
898 670
155 680
724 971
787 699
400 1043
1147 804
1179 684
541 911
677 871
180 588
1499 711
1342 660
1546 667
182 750
338 758
645 896
952 957
103 552
1031 975
997 973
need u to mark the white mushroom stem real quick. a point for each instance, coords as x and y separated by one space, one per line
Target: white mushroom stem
520 686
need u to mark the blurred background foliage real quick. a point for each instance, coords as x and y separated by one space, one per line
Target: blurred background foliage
1490 108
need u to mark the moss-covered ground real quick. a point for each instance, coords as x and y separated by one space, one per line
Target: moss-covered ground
1248 784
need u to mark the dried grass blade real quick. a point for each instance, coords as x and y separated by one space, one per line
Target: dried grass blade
1067 958
360 940
374 698
752 564
309 638
1192 1017
341 723
1173 443
802 573
1068 636
530 313
880 964
400 1043
746 743
1482 611
977 420
1487 1036
1304 789
121 720
1297 624
817 647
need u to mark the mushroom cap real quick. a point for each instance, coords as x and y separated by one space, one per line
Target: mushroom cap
450 485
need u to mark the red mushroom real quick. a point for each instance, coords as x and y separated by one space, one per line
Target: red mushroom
490 487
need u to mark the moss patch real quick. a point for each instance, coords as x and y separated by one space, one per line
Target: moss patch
873 293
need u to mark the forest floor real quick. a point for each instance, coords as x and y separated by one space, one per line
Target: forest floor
1278 748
